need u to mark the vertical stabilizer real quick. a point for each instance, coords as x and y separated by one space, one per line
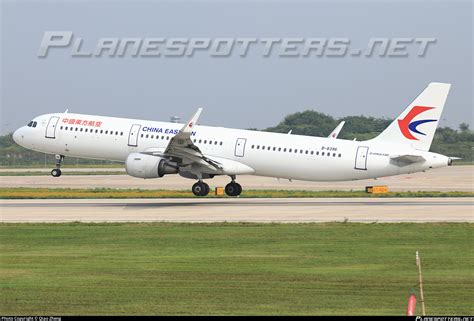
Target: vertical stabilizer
417 124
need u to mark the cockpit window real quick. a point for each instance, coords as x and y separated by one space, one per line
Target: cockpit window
34 124
30 124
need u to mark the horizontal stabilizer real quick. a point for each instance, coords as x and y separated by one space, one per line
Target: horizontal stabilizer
408 158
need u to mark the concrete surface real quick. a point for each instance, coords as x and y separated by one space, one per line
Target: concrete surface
241 210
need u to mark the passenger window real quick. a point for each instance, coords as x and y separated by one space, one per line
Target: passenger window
221 144
322 154
317 153
306 152
274 148
334 155
116 133
339 155
279 149
258 146
253 146
82 129
85 130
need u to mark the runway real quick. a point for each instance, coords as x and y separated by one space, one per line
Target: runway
366 210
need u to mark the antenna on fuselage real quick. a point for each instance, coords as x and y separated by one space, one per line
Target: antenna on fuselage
67 109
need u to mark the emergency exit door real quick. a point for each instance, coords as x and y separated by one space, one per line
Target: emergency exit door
240 147
133 135
361 157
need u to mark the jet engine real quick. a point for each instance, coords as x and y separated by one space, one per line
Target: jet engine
148 166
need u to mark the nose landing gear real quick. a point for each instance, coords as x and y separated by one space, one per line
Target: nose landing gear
57 171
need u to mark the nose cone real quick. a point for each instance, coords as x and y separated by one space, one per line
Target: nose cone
17 136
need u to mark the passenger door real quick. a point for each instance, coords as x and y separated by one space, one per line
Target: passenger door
51 128
361 158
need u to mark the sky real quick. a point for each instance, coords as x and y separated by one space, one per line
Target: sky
240 92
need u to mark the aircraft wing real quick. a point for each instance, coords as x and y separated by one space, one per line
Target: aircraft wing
182 146
408 158
337 130
182 149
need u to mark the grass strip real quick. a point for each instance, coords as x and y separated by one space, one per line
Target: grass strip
97 193
234 269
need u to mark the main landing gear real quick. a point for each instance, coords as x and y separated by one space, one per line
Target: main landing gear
57 171
200 189
232 189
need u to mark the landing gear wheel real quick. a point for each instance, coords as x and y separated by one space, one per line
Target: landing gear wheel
233 189
200 189
56 172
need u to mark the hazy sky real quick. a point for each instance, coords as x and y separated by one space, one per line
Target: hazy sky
253 91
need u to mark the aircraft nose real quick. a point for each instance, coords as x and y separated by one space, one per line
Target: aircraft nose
17 136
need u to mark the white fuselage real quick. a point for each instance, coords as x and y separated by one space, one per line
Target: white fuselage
268 154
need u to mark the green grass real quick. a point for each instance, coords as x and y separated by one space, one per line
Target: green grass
278 269
96 193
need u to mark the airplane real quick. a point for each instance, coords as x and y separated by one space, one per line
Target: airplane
152 149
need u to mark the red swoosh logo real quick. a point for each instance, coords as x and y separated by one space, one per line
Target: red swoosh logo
403 123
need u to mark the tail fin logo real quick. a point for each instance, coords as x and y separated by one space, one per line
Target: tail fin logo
407 126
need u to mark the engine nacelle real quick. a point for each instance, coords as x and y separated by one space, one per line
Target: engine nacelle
147 166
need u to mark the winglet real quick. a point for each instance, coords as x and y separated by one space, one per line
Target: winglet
188 127
337 130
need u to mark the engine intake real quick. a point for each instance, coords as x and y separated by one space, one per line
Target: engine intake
147 166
